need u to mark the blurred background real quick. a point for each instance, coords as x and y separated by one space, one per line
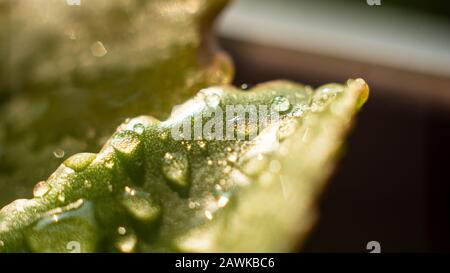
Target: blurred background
393 184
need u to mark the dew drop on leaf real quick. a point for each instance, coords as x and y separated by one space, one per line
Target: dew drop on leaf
98 49
125 142
126 243
122 230
281 104
79 161
212 96
140 205
223 201
40 189
208 215
139 128
175 168
53 231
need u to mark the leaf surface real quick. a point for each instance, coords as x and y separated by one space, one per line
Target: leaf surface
152 188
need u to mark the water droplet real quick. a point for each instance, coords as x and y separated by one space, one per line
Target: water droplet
80 161
139 128
40 189
223 201
126 244
208 215
324 94
212 100
122 230
244 86
212 96
98 49
126 142
281 104
75 222
175 168
59 153
210 162
140 205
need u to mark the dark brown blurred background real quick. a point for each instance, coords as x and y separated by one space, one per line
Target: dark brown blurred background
393 184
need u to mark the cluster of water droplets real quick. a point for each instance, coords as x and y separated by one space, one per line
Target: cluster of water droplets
175 165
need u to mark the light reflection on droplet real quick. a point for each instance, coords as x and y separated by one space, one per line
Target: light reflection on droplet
121 230
175 168
40 189
59 153
212 96
222 202
208 215
139 128
281 104
127 243
98 49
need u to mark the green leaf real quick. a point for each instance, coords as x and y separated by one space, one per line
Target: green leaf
149 190
69 74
